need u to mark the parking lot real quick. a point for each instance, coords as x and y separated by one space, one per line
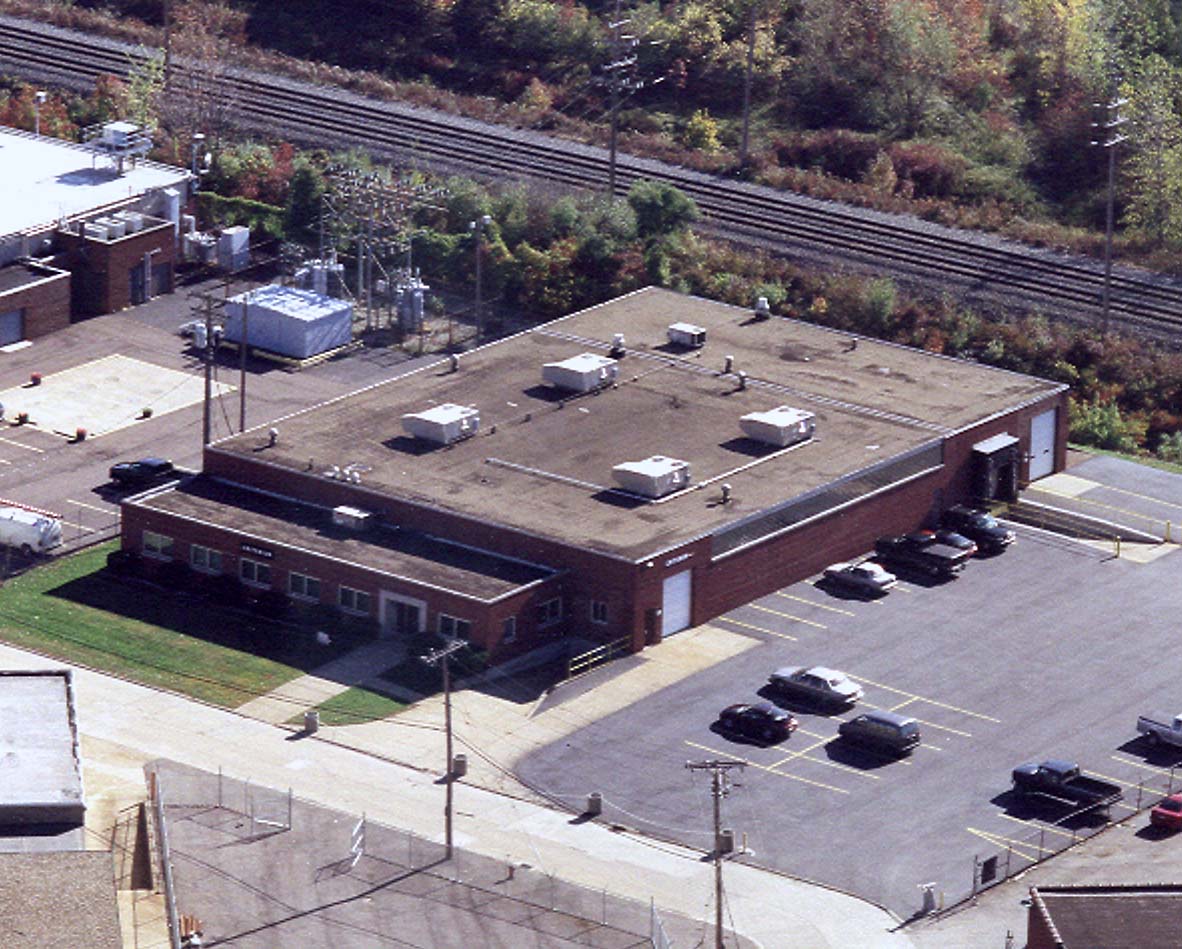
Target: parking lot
1049 650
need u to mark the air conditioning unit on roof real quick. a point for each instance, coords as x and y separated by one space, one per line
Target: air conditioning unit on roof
686 334
781 426
582 373
353 518
653 477
443 424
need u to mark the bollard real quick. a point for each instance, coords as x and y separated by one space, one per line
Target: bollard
311 721
459 765
929 897
594 804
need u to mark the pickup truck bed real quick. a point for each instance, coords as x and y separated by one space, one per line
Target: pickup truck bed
923 555
1063 781
1155 731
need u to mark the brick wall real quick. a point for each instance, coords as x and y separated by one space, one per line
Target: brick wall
46 303
101 269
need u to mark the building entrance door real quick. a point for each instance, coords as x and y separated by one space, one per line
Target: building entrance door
402 615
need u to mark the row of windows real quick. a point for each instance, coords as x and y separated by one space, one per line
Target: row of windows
299 585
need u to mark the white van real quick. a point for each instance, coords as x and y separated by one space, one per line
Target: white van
29 531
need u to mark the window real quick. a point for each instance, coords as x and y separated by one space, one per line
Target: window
598 611
303 587
205 559
509 629
157 545
549 612
254 572
353 601
454 628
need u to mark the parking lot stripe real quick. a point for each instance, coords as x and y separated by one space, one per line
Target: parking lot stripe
1000 841
820 606
1124 512
1142 764
92 507
944 728
761 629
9 441
798 619
804 754
1108 777
927 701
1031 824
763 767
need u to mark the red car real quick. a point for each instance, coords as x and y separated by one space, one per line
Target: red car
1167 813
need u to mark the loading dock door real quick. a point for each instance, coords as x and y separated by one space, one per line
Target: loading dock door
1042 444
12 327
675 602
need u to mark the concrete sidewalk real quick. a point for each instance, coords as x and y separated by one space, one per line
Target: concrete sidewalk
351 769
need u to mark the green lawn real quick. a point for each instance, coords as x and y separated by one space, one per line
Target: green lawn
71 609
354 706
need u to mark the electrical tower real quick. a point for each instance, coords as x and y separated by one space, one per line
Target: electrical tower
375 214
719 788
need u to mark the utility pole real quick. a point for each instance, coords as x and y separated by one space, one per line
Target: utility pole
205 433
477 228
620 62
1112 122
719 788
441 655
747 85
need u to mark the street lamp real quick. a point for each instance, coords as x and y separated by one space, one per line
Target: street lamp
477 228
38 101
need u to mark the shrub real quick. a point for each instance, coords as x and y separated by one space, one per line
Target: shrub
934 171
837 152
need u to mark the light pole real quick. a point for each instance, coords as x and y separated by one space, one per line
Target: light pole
1113 121
38 101
477 227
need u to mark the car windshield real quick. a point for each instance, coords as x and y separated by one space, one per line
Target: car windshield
1171 804
986 520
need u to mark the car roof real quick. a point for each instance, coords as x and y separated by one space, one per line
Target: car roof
825 672
890 718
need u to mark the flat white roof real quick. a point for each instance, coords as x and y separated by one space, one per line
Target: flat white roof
45 179
293 302
584 362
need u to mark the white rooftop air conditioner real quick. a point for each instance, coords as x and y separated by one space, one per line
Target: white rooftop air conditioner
686 334
444 424
653 477
582 373
781 426
354 518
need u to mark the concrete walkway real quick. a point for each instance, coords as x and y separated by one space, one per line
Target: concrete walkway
351 769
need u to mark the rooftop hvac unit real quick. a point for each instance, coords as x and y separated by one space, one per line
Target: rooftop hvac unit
94 230
115 227
444 424
119 134
581 373
132 220
686 334
354 518
234 248
781 426
654 477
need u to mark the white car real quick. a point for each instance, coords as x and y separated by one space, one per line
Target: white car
867 576
816 683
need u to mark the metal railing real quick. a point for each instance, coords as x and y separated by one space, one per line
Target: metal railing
575 665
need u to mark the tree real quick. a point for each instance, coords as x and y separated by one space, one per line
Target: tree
1154 164
302 215
661 209
916 54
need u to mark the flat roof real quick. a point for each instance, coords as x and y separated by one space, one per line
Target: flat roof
38 748
1113 917
46 179
543 460
269 520
59 900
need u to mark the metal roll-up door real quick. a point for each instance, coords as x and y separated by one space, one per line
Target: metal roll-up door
676 600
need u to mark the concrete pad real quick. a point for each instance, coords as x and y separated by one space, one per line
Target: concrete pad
291 699
1064 485
105 395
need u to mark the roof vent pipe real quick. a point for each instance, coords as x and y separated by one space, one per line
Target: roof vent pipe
455 362
728 365
762 310
726 494
617 351
742 379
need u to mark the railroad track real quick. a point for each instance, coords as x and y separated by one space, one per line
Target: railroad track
969 265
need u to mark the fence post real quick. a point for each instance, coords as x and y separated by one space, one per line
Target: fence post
219 786
289 808
1042 833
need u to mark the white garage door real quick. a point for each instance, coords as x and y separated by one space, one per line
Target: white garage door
675 604
1042 444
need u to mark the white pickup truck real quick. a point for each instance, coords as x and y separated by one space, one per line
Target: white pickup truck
1169 733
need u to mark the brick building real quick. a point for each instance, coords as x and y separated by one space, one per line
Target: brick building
83 231
603 476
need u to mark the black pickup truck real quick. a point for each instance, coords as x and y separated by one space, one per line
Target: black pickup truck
921 551
1063 781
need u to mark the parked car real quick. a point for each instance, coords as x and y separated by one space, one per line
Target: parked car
921 552
881 730
866 577
1063 781
1169 733
816 684
28 531
146 471
953 539
1167 813
761 721
978 525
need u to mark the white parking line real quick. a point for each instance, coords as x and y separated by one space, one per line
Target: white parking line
9 441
